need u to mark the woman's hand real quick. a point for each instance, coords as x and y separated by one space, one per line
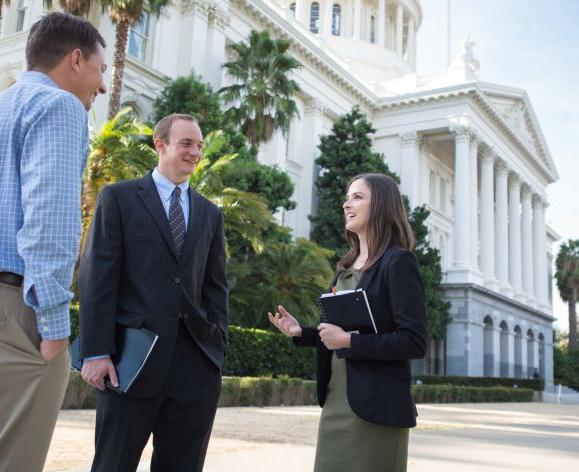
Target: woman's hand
334 337
285 322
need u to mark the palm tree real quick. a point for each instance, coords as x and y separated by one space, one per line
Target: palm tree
74 7
261 99
291 274
119 151
124 14
567 276
245 214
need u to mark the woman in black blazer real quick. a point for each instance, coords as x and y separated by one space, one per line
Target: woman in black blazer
365 394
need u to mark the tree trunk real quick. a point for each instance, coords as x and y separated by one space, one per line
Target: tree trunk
573 319
121 38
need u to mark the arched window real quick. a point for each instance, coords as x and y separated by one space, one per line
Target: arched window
372 29
315 17
293 9
530 354
518 352
541 356
336 19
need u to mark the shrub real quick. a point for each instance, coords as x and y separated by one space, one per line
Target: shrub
465 394
533 384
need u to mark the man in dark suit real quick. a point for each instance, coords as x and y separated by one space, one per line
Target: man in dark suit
155 258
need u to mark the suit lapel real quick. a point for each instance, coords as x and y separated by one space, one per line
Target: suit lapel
148 193
197 213
368 275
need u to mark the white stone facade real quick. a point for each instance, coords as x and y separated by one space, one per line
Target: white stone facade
472 151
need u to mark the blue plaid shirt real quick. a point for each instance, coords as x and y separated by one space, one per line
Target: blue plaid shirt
43 151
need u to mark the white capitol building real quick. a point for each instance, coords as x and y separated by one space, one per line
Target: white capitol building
472 151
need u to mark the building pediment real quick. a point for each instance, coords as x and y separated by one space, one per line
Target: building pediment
515 108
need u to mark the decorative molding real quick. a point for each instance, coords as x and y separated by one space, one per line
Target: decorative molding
192 6
411 138
315 107
461 133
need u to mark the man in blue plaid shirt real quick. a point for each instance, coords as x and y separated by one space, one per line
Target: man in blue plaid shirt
43 151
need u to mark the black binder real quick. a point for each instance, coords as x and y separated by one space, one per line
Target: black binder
348 309
134 346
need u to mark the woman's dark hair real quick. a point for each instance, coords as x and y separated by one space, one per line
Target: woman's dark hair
387 222
57 34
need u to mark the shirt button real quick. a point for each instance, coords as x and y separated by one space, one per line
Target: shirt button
177 280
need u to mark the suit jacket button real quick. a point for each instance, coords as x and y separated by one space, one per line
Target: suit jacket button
177 280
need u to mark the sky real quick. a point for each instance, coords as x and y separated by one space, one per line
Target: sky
528 44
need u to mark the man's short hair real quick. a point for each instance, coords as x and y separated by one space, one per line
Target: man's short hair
57 34
163 126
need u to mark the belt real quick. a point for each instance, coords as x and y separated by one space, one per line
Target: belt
10 278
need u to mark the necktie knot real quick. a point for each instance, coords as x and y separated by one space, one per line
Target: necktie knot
176 192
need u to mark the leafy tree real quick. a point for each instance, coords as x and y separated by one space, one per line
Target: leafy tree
261 97
567 276
292 274
345 152
190 95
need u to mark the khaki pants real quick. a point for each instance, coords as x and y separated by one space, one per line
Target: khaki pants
31 389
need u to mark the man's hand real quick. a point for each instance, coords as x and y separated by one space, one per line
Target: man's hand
333 336
94 372
50 349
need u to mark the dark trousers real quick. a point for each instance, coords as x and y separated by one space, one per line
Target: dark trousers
180 417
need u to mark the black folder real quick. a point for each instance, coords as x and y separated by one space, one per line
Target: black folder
349 310
134 346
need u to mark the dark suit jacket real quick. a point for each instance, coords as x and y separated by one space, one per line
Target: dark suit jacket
377 365
130 274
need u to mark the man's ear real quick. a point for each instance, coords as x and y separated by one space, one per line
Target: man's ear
159 145
75 58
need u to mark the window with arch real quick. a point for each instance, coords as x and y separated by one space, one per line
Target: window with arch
336 19
21 9
139 37
293 9
315 17
373 29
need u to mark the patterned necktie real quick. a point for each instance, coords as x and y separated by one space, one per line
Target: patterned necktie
177 219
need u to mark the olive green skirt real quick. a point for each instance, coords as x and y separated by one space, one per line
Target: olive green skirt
347 443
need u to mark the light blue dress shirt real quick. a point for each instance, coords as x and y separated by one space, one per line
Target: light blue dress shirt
165 188
43 151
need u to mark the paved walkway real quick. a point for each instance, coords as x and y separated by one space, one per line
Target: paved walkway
492 437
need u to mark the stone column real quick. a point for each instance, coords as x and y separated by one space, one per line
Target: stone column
462 222
540 249
313 116
357 28
411 43
501 227
473 164
327 18
381 22
487 218
399 28
527 238
302 13
409 168
515 274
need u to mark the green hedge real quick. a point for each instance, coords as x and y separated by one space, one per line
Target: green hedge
533 384
466 394
256 352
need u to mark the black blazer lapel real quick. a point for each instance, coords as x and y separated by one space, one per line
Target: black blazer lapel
150 196
197 213
371 271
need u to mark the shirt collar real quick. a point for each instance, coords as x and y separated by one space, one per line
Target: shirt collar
33 76
166 186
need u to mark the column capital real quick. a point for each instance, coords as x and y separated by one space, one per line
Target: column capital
539 201
411 138
514 179
488 154
526 191
501 166
461 133
314 107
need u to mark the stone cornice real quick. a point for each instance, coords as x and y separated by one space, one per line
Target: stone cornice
307 48
499 297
